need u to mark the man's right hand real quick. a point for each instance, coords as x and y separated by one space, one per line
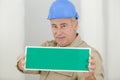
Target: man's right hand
21 63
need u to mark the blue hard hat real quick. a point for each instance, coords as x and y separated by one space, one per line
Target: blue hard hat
62 9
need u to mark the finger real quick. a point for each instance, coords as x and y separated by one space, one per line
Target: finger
22 62
23 55
92 69
92 62
92 57
22 59
21 65
92 66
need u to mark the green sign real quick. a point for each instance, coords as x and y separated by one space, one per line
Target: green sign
57 59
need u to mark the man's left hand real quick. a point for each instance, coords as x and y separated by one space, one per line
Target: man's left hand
92 66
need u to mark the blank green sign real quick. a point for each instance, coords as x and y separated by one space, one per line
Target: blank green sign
57 58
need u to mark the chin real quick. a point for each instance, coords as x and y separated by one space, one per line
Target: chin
62 45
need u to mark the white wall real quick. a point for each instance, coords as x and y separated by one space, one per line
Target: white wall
113 39
37 27
92 26
11 38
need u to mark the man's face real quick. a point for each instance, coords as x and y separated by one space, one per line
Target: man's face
64 30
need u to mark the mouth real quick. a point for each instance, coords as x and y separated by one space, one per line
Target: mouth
60 38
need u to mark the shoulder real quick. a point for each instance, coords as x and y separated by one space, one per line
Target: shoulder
51 43
94 51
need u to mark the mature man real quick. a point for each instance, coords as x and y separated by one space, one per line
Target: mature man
64 24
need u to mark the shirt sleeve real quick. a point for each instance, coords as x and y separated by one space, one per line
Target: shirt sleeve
99 72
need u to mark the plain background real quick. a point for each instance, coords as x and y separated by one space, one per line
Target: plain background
24 22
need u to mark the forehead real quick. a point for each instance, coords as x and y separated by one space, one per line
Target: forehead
61 20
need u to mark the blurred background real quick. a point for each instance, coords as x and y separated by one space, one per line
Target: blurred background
24 22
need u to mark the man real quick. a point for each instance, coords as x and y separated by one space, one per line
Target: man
64 24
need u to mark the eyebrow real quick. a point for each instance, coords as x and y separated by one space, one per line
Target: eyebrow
60 24
53 24
63 24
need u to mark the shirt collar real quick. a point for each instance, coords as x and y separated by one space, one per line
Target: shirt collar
75 43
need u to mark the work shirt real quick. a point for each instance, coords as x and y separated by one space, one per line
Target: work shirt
58 75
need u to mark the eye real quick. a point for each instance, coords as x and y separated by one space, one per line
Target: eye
54 26
63 26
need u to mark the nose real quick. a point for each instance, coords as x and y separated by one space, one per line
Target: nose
59 31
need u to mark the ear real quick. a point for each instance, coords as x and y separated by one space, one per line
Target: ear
76 24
